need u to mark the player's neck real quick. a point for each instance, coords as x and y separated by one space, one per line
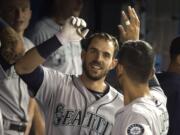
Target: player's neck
98 85
133 91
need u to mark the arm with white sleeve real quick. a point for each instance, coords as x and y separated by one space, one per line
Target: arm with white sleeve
37 55
28 67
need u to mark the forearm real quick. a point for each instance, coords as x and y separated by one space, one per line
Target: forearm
38 124
36 56
31 112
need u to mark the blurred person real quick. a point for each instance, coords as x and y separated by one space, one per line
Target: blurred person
18 108
170 82
66 59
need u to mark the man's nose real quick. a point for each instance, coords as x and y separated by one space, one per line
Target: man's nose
99 56
19 13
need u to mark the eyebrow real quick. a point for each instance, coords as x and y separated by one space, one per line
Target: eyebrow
93 48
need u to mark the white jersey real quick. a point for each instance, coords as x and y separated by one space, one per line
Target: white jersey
14 97
144 116
70 109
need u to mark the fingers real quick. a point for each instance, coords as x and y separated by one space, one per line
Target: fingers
130 18
125 21
122 31
78 22
133 16
130 27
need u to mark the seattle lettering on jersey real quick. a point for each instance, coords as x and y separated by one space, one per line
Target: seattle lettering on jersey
67 117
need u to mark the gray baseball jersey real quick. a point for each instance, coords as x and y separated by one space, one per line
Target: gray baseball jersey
14 97
70 109
144 116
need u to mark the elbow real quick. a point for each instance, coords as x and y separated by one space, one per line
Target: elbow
22 69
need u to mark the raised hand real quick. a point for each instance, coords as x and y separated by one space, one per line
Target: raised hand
72 30
130 26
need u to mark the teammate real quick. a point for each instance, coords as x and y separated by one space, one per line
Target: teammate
75 105
18 108
145 111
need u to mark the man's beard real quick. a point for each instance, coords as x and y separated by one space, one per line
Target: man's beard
90 76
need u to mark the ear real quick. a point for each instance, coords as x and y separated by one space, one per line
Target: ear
119 69
114 63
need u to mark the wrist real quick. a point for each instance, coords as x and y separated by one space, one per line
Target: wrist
64 40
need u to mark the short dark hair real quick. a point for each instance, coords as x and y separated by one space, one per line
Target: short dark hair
107 37
137 57
175 48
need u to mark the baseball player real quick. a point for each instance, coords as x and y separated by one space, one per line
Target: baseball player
18 109
74 105
145 111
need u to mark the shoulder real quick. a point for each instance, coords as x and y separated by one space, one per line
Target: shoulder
53 73
144 114
132 121
114 92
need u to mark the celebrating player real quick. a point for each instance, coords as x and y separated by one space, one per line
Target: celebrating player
145 111
78 105
75 105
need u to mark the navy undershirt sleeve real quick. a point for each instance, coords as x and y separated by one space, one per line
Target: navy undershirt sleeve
48 47
33 80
